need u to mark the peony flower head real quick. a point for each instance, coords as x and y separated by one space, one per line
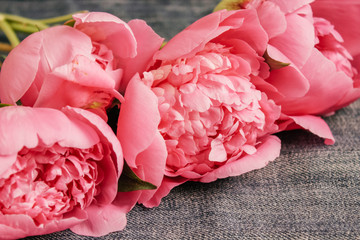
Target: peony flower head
83 67
59 170
212 120
210 111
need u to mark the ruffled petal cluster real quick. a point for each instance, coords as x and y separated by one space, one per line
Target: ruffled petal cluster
210 112
55 167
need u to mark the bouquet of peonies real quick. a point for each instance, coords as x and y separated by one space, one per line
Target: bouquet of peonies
99 114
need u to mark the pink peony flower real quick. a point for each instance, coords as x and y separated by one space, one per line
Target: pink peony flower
195 114
59 170
81 67
320 77
344 15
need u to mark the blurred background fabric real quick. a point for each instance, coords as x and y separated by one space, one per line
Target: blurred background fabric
312 191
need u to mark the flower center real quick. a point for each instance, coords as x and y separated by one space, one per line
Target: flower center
44 183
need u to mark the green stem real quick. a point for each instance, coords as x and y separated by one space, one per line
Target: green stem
9 32
4 47
58 19
25 28
24 20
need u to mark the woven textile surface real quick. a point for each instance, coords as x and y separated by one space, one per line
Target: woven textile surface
312 191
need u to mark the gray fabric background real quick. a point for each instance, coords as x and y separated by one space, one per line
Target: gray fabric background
310 192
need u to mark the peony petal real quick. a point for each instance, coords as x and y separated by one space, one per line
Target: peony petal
138 120
24 127
6 162
197 35
45 50
217 152
73 84
272 19
19 69
109 30
102 128
327 87
316 125
167 184
17 225
250 31
112 169
297 41
56 92
196 100
127 200
290 6
148 42
344 15
151 166
62 43
86 72
101 220
267 151
289 81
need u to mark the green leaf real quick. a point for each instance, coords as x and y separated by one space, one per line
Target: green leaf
163 44
130 182
274 64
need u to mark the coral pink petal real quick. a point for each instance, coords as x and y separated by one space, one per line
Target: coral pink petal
167 184
350 97
57 93
127 200
86 72
6 162
62 43
197 35
267 151
72 82
151 163
297 41
138 120
218 151
90 17
9 225
19 69
196 100
113 169
109 30
328 87
290 6
148 42
24 127
101 220
344 15
50 47
103 129
250 31
316 125
289 81
272 19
